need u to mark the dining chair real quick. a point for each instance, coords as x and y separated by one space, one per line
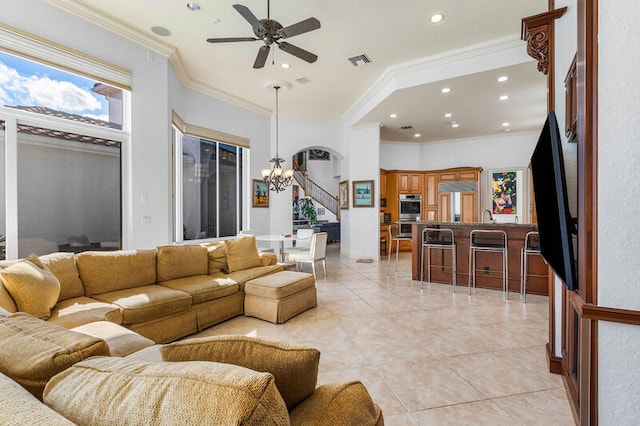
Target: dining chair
316 253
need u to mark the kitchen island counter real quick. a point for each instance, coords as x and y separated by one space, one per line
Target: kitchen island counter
488 264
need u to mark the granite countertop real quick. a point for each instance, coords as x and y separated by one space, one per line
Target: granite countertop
480 224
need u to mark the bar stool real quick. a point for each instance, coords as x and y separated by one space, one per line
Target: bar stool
531 246
437 238
488 241
393 236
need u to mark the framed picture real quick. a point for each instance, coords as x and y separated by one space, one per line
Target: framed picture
505 186
260 193
343 195
319 154
363 193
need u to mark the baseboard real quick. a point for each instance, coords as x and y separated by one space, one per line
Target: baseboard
555 362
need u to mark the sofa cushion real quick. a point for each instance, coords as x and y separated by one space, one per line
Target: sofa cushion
32 350
63 266
83 310
103 272
201 288
19 407
241 277
32 286
129 392
180 261
217 256
121 341
347 404
294 367
6 301
242 253
147 303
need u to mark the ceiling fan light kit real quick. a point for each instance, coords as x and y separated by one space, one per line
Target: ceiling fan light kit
271 31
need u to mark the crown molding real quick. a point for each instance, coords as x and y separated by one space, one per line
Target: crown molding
389 80
116 26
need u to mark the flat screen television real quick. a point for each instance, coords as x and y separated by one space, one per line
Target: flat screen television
556 227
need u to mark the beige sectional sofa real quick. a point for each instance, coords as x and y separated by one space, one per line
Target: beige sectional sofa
162 294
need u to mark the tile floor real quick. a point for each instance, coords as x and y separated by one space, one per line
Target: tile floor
427 357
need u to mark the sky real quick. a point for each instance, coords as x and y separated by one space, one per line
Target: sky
27 83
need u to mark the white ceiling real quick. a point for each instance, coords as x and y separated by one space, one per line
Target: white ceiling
393 34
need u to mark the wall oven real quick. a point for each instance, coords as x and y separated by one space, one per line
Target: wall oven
404 228
410 211
410 207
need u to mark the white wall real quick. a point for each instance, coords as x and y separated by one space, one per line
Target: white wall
360 227
295 136
618 192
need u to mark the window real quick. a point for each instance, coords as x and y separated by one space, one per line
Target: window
209 203
62 135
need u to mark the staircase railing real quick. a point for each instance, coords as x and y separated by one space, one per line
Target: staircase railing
315 191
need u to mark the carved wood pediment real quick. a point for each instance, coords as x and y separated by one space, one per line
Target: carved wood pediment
536 31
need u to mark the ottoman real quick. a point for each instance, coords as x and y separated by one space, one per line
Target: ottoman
280 296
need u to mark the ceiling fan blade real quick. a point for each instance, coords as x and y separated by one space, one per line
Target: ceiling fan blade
301 27
297 51
263 54
231 39
251 19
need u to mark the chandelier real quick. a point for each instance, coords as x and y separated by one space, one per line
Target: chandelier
276 177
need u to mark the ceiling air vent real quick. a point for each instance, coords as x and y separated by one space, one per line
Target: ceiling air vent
356 61
406 127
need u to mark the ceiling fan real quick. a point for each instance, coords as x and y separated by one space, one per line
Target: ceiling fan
270 31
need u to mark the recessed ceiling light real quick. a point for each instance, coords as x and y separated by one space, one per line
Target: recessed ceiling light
448 115
285 66
394 115
505 124
216 21
161 31
503 78
438 17
454 125
504 97
417 135
446 90
192 6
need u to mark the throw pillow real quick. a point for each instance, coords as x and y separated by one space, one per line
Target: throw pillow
121 391
180 261
242 253
6 301
32 286
217 254
347 404
294 367
63 266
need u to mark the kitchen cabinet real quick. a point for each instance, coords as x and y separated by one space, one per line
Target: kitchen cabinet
460 191
468 207
444 212
410 183
383 183
460 175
